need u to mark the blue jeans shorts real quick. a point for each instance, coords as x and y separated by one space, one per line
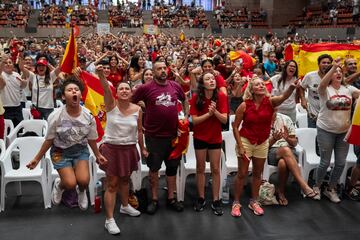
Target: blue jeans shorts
68 157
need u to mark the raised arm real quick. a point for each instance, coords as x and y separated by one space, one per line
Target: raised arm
108 97
278 100
324 83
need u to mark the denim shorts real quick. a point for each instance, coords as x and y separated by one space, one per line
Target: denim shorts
68 157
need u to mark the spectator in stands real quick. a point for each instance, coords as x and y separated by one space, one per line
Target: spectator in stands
71 129
311 82
147 76
208 111
282 153
11 85
332 124
280 83
123 131
117 71
255 114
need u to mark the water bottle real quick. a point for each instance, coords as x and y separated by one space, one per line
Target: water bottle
225 191
98 192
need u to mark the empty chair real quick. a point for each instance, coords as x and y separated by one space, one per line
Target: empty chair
28 148
34 125
301 120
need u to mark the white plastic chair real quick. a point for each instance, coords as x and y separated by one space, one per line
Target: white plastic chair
28 104
300 109
34 125
28 148
190 168
59 103
231 119
350 162
27 114
9 127
301 120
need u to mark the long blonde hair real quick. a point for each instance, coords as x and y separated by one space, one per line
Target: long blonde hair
249 94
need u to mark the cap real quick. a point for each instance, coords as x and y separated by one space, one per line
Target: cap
42 62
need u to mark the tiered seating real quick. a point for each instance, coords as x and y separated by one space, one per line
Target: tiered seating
59 16
315 17
129 15
240 18
14 15
181 16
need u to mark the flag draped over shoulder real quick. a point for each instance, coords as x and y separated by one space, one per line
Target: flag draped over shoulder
70 58
353 135
306 55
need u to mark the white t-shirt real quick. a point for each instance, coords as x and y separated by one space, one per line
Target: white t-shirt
335 109
46 94
11 93
288 104
68 131
266 49
311 82
279 124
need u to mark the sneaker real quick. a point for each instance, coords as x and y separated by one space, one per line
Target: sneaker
175 205
129 210
82 199
152 207
56 192
235 210
256 207
332 195
199 205
216 207
354 194
111 226
318 193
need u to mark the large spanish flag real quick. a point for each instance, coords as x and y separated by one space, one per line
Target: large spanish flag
306 55
353 135
70 58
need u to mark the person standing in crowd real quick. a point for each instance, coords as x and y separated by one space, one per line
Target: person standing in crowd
282 153
311 82
252 144
161 99
71 129
123 131
270 64
280 83
351 72
208 111
41 84
332 124
11 85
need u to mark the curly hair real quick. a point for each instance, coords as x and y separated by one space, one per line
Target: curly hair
249 94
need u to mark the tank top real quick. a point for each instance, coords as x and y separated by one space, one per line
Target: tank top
121 129
256 123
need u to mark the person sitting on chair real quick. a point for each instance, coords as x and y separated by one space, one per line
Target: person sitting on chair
282 154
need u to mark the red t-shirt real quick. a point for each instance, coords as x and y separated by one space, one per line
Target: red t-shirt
115 77
220 81
256 123
209 130
186 87
161 102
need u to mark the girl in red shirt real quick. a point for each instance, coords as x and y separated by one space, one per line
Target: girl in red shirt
255 114
208 109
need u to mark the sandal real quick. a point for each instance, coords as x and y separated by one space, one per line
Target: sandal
282 199
312 195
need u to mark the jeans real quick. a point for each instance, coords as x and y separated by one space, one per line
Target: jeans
328 142
311 122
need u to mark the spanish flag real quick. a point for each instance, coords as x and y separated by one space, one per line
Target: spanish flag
70 58
306 55
353 135
182 36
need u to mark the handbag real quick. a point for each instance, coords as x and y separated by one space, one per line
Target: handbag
267 194
34 109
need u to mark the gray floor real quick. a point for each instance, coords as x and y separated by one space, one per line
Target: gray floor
25 218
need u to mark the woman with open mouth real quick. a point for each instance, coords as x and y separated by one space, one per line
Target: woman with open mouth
71 129
280 83
122 132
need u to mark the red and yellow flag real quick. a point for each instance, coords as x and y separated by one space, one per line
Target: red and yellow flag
353 135
182 36
70 58
306 55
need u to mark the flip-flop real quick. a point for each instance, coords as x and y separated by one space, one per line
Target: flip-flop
311 195
282 200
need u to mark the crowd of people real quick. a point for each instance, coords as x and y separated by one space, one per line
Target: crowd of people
129 15
155 78
14 14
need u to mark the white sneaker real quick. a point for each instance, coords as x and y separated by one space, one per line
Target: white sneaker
129 210
56 192
332 195
82 199
111 226
318 193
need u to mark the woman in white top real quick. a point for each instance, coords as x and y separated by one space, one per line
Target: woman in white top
332 124
280 83
11 85
41 84
122 132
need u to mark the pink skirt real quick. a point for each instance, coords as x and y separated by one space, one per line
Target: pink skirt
122 159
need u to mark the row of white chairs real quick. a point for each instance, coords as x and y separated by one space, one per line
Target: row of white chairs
27 113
